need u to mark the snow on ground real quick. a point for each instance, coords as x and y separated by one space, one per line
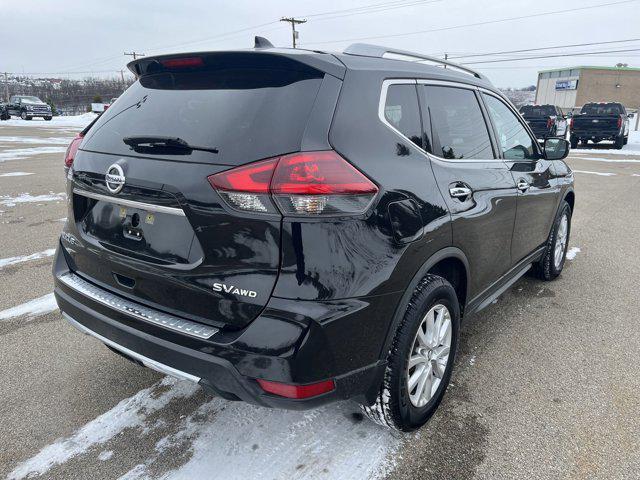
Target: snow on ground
607 160
631 148
233 439
20 153
47 141
8 201
572 252
130 412
15 174
5 262
34 308
602 174
79 121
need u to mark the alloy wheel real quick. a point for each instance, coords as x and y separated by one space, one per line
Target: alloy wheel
429 355
561 241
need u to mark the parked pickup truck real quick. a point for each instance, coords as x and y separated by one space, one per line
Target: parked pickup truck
27 107
545 120
600 121
4 113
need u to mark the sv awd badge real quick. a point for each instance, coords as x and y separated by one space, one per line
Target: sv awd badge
233 290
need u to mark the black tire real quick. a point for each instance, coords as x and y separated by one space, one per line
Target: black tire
573 141
393 407
24 116
546 268
626 140
619 142
47 119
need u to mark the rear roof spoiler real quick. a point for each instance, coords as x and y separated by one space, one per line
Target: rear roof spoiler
376 51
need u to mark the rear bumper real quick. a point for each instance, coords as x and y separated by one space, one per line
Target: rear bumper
281 345
595 134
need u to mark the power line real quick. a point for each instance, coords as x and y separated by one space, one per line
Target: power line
293 22
476 24
134 54
544 48
575 54
363 7
370 9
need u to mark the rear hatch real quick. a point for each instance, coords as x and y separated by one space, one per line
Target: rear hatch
147 223
595 124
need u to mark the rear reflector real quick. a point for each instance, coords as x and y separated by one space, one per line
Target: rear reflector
185 62
72 149
297 391
305 183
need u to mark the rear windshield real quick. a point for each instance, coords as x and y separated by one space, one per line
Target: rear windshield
538 110
602 109
245 113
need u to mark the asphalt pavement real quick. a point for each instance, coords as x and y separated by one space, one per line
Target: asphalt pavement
546 383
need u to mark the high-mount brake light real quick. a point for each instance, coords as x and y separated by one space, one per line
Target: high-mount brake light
72 149
184 62
301 184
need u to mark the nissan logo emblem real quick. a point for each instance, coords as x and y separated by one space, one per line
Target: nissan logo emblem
114 178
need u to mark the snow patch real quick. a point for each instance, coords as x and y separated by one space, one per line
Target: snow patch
28 198
20 153
608 160
34 308
15 174
130 412
37 140
5 262
602 174
79 121
572 252
105 455
239 441
472 360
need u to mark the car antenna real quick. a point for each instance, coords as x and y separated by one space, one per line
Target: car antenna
261 42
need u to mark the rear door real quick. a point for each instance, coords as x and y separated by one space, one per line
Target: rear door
148 225
533 175
478 187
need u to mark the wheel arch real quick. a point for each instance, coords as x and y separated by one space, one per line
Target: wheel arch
446 263
570 198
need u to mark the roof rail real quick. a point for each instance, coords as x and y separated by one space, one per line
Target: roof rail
367 50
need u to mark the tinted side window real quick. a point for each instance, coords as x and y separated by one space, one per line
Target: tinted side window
513 140
457 122
401 111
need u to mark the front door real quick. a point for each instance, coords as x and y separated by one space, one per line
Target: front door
533 175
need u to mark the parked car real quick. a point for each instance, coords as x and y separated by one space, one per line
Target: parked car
4 113
291 228
600 121
545 120
28 107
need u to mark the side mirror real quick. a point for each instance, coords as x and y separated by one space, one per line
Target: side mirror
630 115
555 148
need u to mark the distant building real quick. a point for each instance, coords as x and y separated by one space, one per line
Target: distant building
575 86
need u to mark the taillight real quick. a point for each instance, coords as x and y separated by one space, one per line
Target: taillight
297 391
550 122
305 183
620 121
571 123
72 149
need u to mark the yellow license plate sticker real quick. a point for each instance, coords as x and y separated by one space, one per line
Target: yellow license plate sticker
149 219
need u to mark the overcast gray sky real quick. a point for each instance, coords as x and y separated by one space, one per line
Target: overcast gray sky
51 36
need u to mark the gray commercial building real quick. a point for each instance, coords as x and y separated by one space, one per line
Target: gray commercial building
572 87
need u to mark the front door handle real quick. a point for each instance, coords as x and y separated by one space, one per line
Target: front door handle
523 185
460 192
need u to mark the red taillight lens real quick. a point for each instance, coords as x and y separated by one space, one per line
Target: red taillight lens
297 391
185 62
306 183
571 122
550 122
619 121
72 149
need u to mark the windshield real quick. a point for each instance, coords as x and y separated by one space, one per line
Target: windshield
245 113
601 109
29 99
538 110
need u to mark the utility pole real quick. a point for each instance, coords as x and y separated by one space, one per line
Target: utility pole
134 54
293 22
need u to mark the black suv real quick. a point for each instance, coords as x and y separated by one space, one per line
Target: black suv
291 228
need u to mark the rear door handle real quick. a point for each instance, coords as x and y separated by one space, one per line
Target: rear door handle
460 192
523 186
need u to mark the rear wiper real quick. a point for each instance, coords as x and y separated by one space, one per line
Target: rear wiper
168 143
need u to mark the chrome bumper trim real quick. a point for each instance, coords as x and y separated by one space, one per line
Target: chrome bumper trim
136 310
149 207
146 361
